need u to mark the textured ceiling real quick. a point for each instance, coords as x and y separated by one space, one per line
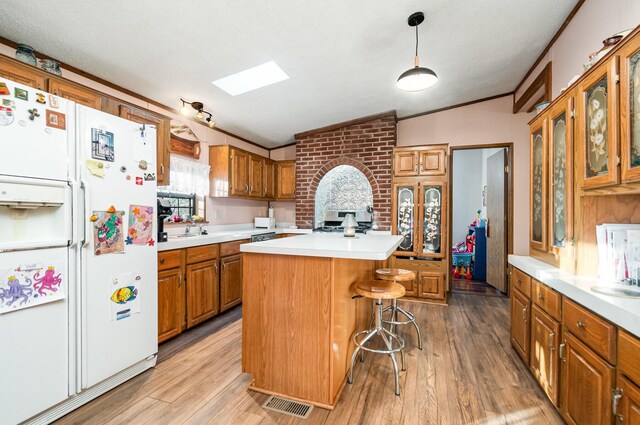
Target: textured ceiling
343 57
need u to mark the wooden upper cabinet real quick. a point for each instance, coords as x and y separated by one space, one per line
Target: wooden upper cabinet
405 218
545 341
539 162
163 137
560 137
520 329
432 215
255 176
239 172
629 57
202 291
22 73
268 178
76 93
285 180
433 162
170 305
405 163
597 126
586 385
230 281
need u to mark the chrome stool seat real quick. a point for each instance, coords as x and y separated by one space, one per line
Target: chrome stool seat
398 275
378 290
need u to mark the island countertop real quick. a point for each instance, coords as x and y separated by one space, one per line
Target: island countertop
329 245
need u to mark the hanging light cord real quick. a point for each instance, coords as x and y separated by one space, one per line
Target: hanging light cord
416 59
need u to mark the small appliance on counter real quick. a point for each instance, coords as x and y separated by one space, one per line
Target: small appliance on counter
164 211
264 223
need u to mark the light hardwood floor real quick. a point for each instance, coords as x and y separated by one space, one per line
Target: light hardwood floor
467 373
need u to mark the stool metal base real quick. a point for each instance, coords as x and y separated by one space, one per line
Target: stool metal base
394 322
387 337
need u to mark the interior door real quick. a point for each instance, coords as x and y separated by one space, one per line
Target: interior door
497 225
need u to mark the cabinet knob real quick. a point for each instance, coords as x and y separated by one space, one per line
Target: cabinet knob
162 261
580 324
540 297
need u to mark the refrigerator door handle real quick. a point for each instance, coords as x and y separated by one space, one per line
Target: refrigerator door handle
84 219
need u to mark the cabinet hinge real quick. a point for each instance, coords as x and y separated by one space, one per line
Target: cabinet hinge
617 78
572 113
618 159
506 169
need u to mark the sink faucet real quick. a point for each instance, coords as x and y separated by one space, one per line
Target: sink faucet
202 230
187 230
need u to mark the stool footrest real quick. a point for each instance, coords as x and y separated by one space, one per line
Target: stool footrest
379 331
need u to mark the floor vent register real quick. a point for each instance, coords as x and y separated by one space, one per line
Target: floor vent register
289 407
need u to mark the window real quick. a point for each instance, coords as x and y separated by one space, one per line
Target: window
184 205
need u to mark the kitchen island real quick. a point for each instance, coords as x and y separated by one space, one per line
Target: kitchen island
298 317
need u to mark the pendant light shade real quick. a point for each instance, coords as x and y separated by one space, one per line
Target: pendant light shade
417 78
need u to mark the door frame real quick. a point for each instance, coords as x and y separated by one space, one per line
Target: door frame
509 237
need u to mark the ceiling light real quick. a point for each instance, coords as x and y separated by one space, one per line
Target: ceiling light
252 79
416 78
199 107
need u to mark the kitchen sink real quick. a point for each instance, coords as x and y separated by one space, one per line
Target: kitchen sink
616 291
185 235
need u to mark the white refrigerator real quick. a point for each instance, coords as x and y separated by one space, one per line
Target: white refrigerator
78 261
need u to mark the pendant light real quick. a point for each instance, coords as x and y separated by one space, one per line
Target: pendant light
417 78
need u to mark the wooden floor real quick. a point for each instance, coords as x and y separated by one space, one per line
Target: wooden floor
466 374
474 287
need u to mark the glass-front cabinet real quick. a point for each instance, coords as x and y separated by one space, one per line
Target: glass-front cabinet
538 182
433 216
630 110
405 215
597 114
560 128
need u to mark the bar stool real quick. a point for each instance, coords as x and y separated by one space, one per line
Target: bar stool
399 275
379 290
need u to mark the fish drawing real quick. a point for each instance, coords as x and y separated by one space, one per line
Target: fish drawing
124 295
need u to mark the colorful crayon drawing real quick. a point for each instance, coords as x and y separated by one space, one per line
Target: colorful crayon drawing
140 224
26 286
124 296
107 232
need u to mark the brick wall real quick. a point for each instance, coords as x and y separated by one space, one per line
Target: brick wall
366 144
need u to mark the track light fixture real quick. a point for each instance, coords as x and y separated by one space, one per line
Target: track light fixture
200 112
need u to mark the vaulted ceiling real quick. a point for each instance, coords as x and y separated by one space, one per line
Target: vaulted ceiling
343 57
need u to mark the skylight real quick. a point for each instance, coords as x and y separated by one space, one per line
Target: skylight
252 79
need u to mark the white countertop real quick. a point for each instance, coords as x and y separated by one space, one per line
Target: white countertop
333 245
175 242
624 312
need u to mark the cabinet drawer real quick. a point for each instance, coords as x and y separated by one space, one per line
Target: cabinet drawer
629 356
169 259
547 299
521 281
202 253
231 248
590 329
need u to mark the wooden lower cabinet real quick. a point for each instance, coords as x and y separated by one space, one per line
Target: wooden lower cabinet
586 385
202 291
628 409
545 341
520 329
430 285
170 305
230 281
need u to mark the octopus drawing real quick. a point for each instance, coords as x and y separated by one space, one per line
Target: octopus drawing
49 282
16 291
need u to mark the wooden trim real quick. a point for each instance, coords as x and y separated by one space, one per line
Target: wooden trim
458 105
551 43
126 91
542 80
347 124
280 147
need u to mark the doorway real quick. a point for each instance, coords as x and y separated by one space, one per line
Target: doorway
481 218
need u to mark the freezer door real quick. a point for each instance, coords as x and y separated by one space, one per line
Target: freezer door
119 289
35 340
33 134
